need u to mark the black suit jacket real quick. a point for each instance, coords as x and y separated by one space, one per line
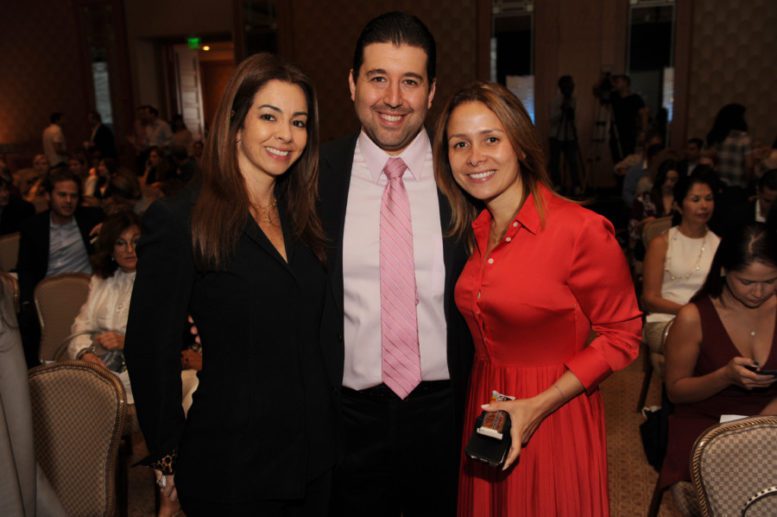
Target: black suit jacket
262 422
335 177
34 247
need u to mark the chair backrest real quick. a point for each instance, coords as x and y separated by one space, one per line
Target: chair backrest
732 463
654 228
78 412
58 300
9 251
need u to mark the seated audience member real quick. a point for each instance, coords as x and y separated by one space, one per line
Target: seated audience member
741 210
96 184
123 193
157 168
658 202
651 138
677 262
98 331
24 489
52 243
716 342
13 210
692 156
637 172
26 178
77 165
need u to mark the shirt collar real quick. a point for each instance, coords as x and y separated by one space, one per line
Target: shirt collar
67 225
414 155
527 216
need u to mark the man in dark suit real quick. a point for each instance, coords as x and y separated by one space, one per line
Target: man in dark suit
52 243
735 211
101 139
401 439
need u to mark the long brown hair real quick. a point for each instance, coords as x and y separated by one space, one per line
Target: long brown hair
521 134
222 207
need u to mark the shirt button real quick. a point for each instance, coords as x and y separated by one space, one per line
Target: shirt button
478 295
508 239
515 224
491 261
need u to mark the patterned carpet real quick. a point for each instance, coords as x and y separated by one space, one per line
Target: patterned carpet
631 478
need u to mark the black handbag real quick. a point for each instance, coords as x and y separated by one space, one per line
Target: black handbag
654 432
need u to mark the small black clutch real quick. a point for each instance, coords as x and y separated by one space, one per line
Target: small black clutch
490 440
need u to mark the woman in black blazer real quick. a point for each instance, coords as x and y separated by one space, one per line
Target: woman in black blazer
242 252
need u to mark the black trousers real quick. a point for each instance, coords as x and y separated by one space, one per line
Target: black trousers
315 504
401 456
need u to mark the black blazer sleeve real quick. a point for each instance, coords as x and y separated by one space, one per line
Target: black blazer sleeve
33 255
157 319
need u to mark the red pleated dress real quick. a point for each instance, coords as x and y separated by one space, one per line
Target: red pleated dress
530 306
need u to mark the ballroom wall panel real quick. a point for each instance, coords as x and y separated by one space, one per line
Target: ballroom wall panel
732 60
39 73
325 33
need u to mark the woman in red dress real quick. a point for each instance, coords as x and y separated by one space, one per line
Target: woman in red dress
543 273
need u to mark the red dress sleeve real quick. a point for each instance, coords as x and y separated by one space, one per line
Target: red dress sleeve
600 281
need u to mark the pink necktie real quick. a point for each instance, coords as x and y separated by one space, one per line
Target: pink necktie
398 319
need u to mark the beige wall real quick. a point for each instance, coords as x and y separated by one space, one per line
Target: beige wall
734 45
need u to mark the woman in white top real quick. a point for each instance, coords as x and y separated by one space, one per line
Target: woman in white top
677 262
98 331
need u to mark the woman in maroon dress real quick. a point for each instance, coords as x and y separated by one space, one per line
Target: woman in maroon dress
543 273
728 326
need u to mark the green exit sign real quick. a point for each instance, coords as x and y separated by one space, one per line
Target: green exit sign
194 43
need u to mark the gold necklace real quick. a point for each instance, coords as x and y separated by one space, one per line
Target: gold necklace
268 213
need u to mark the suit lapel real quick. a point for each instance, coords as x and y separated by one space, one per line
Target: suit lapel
335 182
257 236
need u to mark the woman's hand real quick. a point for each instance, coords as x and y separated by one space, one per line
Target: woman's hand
526 415
92 358
739 375
110 340
166 485
191 360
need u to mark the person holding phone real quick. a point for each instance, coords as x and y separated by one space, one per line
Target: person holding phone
721 352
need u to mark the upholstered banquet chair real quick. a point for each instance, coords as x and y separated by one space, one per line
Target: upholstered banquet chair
734 468
58 300
9 251
78 417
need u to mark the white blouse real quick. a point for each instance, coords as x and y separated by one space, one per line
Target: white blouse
106 309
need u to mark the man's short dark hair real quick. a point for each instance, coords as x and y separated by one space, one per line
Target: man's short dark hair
55 117
768 180
96 115
153 110
398 28
58 175
698 142
623 77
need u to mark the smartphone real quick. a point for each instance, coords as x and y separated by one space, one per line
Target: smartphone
755 369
